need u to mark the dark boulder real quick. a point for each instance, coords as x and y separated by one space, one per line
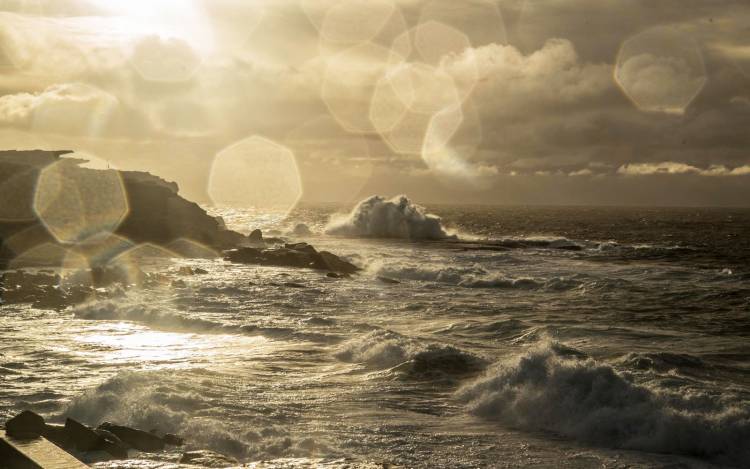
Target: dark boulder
80 436
255 237
173 440
27 424
138 439
111 444
337 264
301 247
57 434
300 255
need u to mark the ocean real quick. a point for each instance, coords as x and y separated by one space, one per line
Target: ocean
525 337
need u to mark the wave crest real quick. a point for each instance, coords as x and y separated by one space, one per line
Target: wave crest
182 403
582 399
382 349
377 217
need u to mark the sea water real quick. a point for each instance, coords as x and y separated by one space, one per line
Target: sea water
525 337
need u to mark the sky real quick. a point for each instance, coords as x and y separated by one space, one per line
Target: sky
573 102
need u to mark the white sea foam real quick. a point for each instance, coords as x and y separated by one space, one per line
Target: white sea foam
382 349
141 313
377 217
469 277
168 402
172 321
544 389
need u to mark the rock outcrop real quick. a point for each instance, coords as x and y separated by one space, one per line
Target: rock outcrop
75 437
300 255
151 216
156 213
138 439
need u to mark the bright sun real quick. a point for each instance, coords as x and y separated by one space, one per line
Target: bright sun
182 19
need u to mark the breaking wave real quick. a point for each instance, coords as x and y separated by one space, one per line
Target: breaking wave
166 320
471 277
382 349
377 217
183 403
174 322
545 389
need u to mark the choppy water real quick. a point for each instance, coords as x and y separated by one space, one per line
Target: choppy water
556 338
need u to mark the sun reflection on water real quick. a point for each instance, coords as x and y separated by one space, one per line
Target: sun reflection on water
124 342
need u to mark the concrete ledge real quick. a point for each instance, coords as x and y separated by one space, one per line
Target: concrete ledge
38 453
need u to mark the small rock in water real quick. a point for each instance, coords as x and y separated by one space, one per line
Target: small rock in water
207 459
27 424
138 439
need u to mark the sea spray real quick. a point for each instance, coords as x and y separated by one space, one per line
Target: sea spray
185 402
545 389
382 349
399 217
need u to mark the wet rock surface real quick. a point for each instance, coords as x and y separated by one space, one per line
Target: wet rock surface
301 255
110 439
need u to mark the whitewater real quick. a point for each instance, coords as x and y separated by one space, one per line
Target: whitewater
474 336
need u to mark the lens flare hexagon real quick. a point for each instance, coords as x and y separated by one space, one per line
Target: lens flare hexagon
349 82
405 101
76 204
661 70
255 173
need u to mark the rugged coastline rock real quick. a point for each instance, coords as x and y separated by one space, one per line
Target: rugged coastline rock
75 437
155 213
155 218
300 255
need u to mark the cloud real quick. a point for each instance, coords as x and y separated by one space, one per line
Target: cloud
672 168
72 109
551 78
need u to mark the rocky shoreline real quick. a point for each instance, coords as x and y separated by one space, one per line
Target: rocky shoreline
107 441
157 222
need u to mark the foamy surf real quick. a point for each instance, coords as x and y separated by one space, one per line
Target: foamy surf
544 389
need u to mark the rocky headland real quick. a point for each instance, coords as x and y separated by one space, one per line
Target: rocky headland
152 219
